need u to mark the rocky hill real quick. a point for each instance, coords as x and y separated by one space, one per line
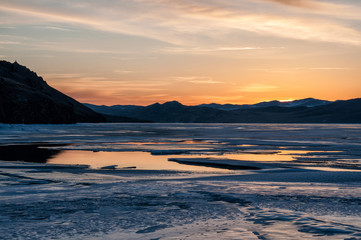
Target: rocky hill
27 98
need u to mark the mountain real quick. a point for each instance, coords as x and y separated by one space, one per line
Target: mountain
346 111
116 113
111 110
175 112
307 102
341 111
300 111
27 98
225 107
129 109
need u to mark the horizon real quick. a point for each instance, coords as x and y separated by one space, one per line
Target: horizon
281 101
224 52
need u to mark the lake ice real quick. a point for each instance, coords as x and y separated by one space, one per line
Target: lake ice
224 181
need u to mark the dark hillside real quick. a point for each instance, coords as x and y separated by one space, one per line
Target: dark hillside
27 98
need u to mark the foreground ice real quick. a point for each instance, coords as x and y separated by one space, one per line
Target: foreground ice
59 202
315 194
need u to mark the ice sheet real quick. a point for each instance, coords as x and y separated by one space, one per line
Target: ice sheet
313 194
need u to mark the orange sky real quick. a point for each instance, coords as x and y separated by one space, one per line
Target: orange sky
145 51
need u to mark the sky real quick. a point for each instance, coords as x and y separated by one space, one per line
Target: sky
193 51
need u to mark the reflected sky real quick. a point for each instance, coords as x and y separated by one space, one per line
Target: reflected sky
149 146
140 160
147 161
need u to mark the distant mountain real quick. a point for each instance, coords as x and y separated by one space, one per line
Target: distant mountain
116 113
173 112
300 111
111 110
27 98
346 111
224 107
307 102
129 109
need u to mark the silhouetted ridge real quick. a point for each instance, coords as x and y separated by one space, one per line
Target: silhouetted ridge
172 104
307 102
27 98
307 110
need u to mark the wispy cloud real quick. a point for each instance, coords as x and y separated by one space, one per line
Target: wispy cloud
75 77
332 68
60 46
9 43
300 3
63 75
123 71
337 10
298 69
258 87
54 28
87 88
173 21
210 50
196 80
278 70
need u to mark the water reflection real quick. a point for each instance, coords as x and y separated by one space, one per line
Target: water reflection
144 159
27 153
139 160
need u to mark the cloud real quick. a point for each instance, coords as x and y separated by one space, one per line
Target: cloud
205 81
76 78
55 28
334 10
278 70
102 90
79 80
187 22
258 87
200 50
299 3
298 69
196 80
123 71
59 46
62 75
332 68
9 43
237 48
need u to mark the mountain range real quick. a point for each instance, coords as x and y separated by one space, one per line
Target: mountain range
307 102
26 98
307 110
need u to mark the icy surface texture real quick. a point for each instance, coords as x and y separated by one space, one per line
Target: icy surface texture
77 203
297 198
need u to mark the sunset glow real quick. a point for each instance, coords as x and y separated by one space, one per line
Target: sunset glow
193 51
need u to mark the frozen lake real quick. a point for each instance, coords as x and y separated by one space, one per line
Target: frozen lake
180 181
